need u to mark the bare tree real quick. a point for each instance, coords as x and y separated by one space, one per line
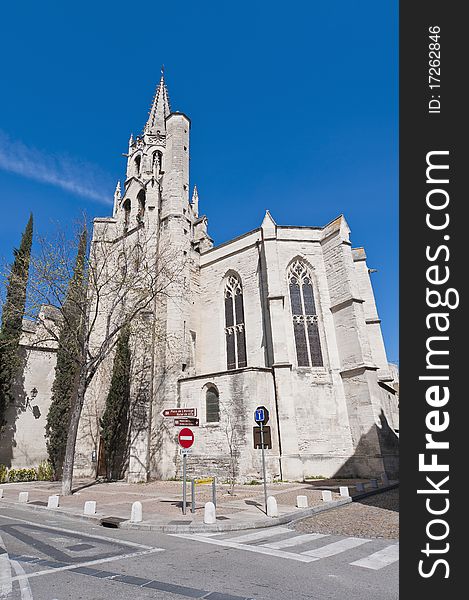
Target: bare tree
124 278
234 433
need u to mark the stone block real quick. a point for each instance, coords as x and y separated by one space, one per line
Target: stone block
344 491
302 501
374 483
326 496
23 497
272 508
90 507
53 501
136 514
210 515
360 487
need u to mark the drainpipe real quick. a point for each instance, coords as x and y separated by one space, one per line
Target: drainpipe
265 325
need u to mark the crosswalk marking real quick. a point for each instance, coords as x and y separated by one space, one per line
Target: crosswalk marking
379 559
281 548
336 547
259 549
5 571
295 541
259 535
25 589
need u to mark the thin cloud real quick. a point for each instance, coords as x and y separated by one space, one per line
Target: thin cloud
74 176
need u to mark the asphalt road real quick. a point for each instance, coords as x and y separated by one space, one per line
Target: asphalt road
48 557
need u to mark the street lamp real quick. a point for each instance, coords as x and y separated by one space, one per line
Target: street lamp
34 409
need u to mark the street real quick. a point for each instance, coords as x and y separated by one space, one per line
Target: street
51 557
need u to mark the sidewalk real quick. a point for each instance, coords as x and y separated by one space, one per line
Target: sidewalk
162 502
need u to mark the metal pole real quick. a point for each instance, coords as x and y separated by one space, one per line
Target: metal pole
214 493
184 457
263 465
193 495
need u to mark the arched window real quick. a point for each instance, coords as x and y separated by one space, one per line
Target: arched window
141 198
157 163
212 405
127 206
234 324
305 319
138 160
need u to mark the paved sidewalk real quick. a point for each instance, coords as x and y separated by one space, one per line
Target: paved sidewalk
162 502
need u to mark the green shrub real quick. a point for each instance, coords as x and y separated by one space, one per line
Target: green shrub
21 475
45 471
3 473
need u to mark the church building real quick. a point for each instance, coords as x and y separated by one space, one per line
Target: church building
282 317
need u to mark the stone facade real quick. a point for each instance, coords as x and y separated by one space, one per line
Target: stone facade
22 442
283 317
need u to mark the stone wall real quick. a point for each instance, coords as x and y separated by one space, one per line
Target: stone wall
22 442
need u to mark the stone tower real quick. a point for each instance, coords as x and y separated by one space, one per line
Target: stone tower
154 212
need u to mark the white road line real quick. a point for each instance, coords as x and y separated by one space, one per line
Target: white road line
89 563
5 571
25 590
379 559
258 549
89 535
294 541
259 535
336 547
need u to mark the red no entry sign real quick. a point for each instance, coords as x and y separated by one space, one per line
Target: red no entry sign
186 437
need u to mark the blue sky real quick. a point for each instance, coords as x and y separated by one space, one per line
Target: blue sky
294 108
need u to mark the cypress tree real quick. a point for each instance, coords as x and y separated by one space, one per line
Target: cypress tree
68 365
12 318
115 420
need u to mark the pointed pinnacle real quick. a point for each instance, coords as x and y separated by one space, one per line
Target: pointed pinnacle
160 107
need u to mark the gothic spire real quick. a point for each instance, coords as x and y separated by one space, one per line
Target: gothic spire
195 201
160 108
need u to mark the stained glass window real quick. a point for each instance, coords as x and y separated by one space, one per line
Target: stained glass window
234 324
305 319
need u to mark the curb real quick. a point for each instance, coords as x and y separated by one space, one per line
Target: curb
50 511
240 525
189 528
392 486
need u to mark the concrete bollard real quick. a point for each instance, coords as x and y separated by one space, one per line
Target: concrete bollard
302 501
53 502
385 479
23 497
360 487
210 514
344 491
90 507
1 493
327 496
272 508
374 483
136 514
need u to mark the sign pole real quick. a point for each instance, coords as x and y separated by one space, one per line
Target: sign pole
263 465
184 459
